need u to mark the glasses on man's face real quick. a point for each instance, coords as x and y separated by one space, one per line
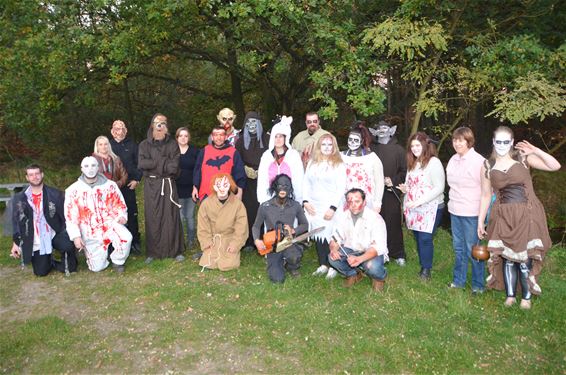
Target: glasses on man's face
312 122
227 118
502 142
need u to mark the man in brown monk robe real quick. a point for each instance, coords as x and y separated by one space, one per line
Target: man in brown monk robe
159 161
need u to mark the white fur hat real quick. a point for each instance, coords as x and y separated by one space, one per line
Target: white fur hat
282 127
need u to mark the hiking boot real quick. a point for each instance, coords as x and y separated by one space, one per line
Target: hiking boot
322 270
377 285
350 281
119 268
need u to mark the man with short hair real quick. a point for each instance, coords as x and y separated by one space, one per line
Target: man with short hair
39 226
95 213
127 150
306 139
359 243
218 157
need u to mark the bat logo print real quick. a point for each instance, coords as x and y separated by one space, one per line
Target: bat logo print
218 161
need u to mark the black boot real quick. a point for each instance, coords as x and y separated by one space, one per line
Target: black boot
425 274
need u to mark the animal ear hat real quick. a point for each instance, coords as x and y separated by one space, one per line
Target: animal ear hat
282 127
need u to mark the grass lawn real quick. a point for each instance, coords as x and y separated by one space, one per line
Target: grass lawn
172 318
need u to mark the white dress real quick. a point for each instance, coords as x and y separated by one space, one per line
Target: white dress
323 186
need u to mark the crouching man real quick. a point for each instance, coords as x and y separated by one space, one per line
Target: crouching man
39 226
359 243
95 212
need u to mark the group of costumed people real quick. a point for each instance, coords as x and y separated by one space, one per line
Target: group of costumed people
250 183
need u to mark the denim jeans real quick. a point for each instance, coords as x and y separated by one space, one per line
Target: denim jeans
425 244
464 236
188 215
374 267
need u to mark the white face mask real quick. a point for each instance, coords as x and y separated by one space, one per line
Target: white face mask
89 167
354 141
502 143
326 147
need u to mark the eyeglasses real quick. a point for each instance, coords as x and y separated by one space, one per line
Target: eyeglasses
227 118
312 121
502 142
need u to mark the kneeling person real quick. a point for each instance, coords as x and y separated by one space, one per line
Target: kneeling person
222 227
39 226
362 244
283 210
95 212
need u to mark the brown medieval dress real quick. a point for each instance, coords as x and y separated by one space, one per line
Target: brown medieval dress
517 228
159 161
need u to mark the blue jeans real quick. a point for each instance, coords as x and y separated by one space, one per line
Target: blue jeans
374 267
464 236
188 215
425 244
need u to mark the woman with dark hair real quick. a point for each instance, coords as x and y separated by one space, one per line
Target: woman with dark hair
424 197
463 174
364 169
517 231
184 181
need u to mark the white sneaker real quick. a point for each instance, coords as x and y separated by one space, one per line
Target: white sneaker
332 273
320 271
401 262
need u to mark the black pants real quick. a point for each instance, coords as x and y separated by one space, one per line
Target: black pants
43 264
131 203
322 251
289 259
391 213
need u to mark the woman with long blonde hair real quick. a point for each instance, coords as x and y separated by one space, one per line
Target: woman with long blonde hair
109 163
323 187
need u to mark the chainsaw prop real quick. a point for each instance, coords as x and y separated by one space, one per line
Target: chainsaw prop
281 240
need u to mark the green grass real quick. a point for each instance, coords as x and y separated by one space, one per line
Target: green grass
171 317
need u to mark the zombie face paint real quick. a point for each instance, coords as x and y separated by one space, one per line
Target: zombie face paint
252 124
355 202
34 177
416 148
354 141
222 187
312 123
502 143
326 147
119 130
89 167
226 118
218 137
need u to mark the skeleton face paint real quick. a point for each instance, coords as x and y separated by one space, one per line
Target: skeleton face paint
222 187
89 167
252 124
354 141
326 147
416 148
502 143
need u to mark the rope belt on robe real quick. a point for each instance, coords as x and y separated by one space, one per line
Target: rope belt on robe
170 189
